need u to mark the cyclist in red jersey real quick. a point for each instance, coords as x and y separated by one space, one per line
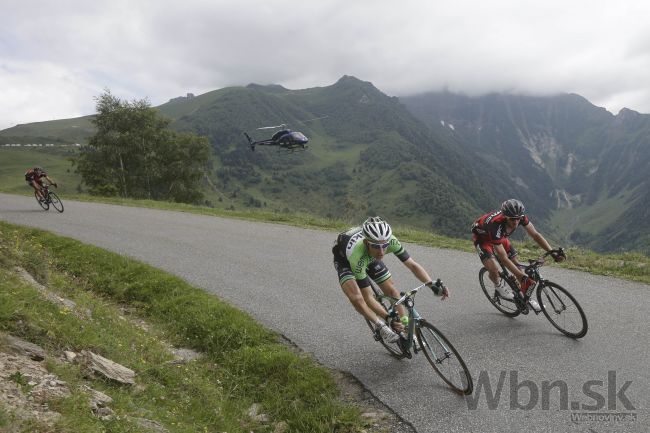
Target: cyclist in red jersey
490 234
34 177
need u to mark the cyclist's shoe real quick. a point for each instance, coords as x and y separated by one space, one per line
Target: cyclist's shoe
504 291
387 334
535 305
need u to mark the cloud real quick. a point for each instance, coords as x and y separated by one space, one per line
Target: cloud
38 91
65 53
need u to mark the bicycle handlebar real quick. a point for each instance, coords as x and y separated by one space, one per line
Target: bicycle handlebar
407 295
540 260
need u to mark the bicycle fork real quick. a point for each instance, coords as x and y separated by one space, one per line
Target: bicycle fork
562 305
445 353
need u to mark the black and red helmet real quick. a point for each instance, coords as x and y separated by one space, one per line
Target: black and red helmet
513 208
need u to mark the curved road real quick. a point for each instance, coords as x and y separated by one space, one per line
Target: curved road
283 276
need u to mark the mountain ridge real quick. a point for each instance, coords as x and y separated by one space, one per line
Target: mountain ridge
438 159
574 153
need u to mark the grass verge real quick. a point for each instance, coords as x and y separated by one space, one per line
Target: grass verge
242 362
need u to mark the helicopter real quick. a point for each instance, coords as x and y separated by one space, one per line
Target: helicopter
285 139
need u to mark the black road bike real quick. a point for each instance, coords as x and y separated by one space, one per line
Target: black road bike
49 198
443 357
558 305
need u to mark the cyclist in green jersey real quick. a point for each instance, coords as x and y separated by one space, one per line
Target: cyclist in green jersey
358 255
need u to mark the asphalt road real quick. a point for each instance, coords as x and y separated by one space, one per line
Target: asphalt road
283 276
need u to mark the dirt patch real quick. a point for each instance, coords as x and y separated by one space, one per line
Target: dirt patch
26 387
381 418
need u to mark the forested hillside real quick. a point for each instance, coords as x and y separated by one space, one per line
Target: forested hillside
433 161
583 168
367 155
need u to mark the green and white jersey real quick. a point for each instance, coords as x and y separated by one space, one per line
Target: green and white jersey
358 256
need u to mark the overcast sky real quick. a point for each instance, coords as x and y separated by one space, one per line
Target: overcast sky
55 56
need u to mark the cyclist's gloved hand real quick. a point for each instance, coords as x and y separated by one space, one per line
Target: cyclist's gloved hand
558 255
445 293
438 288
55 185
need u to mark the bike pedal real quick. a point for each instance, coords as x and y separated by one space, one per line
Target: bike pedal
401 343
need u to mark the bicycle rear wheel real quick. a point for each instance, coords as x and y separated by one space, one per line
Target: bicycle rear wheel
42 203
562 310
56 202
505 306
393 348
444 358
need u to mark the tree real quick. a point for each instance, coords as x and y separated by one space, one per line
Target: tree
134 154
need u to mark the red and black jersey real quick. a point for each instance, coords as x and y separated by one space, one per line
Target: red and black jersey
491 227
31 175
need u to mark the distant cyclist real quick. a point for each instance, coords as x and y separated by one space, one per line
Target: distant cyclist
34 177
358 255
490 234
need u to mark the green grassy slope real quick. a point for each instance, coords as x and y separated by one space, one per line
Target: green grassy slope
63 131
15 161
367 155
371 155
241 362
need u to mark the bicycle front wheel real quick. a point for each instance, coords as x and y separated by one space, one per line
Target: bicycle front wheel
56 202
562 310
444 358
505 306
42 203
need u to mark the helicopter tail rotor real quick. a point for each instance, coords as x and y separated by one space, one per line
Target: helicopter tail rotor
250 142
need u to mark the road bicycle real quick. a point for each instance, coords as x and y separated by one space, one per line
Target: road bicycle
49 198
557 304
441 354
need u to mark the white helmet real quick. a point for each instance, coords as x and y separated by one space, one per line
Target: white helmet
376 230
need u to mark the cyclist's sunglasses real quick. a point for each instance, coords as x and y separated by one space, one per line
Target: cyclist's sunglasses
516 218
379 246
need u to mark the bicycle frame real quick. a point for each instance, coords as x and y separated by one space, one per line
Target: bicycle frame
436 348
407 299
45 191
532 270
555 302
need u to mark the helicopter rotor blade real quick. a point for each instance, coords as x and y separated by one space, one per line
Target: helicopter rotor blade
315 118
283 125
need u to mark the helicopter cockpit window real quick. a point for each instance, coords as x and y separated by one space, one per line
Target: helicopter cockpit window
299 136
279 134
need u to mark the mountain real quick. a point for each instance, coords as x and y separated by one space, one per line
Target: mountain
368 155
62 131
434 161
579 168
